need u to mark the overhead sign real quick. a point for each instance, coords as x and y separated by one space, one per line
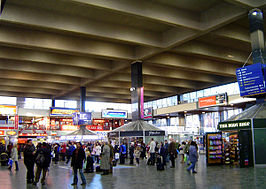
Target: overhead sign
220 99
81 118
251 80
2 133
69 127
114 114
231 125
8 110
95 127
148 113
62 111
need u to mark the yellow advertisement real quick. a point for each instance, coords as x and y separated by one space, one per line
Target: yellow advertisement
8 110
59 111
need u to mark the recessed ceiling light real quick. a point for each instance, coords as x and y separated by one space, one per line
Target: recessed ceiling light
203 112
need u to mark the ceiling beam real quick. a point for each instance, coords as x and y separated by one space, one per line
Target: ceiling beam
24 94
30 89
45 68
54 58
39 18
33 84
194 64
209 51
248 3
148 10
19 75
150 69
52 42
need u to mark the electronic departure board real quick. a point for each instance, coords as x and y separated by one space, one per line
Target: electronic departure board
251 79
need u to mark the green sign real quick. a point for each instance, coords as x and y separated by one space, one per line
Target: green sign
231 125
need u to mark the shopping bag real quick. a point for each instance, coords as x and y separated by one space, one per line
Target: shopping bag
10 162
116 155
84 164
185 158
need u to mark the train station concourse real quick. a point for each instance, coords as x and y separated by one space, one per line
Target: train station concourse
124 94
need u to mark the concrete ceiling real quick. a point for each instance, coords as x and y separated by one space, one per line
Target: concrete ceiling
50 48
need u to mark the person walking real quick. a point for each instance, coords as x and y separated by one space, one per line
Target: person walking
137 153
152 151
69 152
193 156
181 151
123 151
78 158
14 157
172 152
29 152
105 159
131 153
98 152
111 156
43 160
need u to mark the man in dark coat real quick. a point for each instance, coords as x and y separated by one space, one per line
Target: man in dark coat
29 152
131 153
173 153
43 160
78 157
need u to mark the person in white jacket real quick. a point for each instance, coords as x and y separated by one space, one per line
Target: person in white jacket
98 152
152 151
14 157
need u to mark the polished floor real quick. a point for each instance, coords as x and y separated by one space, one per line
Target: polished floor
132 177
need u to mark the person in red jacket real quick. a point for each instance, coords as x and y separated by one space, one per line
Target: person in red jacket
63 152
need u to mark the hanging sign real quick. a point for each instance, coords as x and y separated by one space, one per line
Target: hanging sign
251 80
63 111
114 114
231 125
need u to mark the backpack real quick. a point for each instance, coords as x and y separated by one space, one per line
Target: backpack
40 159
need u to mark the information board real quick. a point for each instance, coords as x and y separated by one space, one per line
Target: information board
251 80
114 114
81 118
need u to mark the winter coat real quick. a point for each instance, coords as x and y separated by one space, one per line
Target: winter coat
172 149
163 151
77 161
14 154
47 155
193 154
70 150
28 154
105 158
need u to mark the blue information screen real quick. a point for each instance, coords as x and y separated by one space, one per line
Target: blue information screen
82 118
251 80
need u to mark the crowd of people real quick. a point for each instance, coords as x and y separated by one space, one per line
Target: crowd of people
98 156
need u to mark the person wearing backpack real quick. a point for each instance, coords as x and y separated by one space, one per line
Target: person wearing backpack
42 160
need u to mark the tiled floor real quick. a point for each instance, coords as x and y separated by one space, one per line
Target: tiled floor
126 177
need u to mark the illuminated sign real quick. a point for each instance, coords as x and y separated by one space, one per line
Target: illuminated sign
69 127
62 111
82 118
251 80
11 133
2 133
33 134
114 114
220 99
234 125
95 127
8 110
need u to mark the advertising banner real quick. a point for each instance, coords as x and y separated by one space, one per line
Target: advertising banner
82 118
114 114
16 121
154 133
251 80
220 99
95 127
148 113
62 111
2 133
231 125
8 110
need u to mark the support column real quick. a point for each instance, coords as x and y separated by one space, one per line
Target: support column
201 129
20 102
82 98
53 102
137 91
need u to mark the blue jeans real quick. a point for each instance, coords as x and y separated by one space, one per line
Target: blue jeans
76 175
192 166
